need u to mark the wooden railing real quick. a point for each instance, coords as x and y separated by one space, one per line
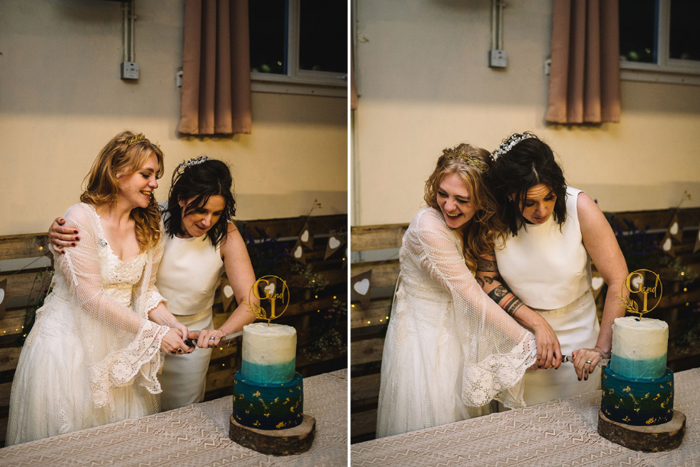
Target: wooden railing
304 311
368 325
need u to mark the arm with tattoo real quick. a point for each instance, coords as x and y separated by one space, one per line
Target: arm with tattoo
488 277
495 287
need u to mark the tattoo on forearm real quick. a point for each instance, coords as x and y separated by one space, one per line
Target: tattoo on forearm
496 278
480 282
512 305
486 266
498 293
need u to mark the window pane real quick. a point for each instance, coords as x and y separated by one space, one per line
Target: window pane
323 35
268 36
685 39
638 30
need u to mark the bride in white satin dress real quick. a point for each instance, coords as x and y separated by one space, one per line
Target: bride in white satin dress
93 354
200 242
449 349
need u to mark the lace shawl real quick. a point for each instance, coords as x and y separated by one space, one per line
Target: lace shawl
496 349
121 345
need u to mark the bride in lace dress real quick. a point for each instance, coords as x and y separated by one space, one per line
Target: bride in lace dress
93 355
449 349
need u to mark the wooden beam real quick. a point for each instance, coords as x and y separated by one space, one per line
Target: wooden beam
363 423
366 351
23 246
377 237
384 273
365 388
376 314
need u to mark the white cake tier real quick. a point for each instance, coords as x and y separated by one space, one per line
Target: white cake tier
267 344
639 347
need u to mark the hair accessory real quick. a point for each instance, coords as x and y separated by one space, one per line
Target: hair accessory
461 154
194 161
134 139
508 144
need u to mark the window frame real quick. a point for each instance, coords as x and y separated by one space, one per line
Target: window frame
297 81
666 70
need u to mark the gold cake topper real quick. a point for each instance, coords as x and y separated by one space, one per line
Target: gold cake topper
268 288
635 284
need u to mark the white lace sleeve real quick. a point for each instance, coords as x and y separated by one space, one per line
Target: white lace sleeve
117 341
152 295
497 350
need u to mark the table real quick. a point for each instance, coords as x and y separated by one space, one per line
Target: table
196 435
562 432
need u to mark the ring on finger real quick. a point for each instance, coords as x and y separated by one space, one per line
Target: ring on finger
589 362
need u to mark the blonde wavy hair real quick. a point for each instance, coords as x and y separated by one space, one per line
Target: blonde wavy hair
473 165
124 155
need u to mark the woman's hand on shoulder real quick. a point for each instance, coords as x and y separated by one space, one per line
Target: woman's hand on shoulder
62 236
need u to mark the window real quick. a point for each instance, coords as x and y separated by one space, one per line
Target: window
659 40
299 46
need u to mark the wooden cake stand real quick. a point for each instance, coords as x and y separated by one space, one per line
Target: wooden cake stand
284 442
653 438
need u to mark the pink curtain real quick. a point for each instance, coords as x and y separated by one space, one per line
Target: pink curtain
215 68
584 78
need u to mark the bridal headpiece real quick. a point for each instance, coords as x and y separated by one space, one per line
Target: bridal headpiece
461 153
508 144
135 139
192 162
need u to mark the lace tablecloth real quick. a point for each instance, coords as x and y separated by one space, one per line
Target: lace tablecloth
196 435
562 432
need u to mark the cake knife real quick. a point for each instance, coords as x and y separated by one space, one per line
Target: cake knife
227 340
570 359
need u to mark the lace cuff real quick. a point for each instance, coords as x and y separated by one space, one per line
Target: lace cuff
153 299
119 368
499 376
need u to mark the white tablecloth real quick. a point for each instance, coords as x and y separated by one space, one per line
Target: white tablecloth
562 432
196 435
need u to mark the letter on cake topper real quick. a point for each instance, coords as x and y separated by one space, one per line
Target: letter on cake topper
635 284
270 289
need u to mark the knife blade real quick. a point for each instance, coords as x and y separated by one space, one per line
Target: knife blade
570 359
225 341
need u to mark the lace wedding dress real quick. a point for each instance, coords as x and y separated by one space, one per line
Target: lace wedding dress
449 349
92 356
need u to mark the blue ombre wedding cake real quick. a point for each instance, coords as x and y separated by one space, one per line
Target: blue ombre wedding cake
268 394
637 386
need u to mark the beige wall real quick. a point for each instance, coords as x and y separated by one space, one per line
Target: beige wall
424 85
61 100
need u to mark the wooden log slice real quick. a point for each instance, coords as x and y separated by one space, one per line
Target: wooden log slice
285 442
654 438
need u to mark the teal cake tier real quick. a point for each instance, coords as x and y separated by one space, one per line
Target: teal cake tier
639 369
274 373
639 402
268 406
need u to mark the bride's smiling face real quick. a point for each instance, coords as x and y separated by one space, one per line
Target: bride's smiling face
201 219
455 201
137 188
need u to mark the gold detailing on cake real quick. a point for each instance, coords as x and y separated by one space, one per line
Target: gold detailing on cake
269 289
635 284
